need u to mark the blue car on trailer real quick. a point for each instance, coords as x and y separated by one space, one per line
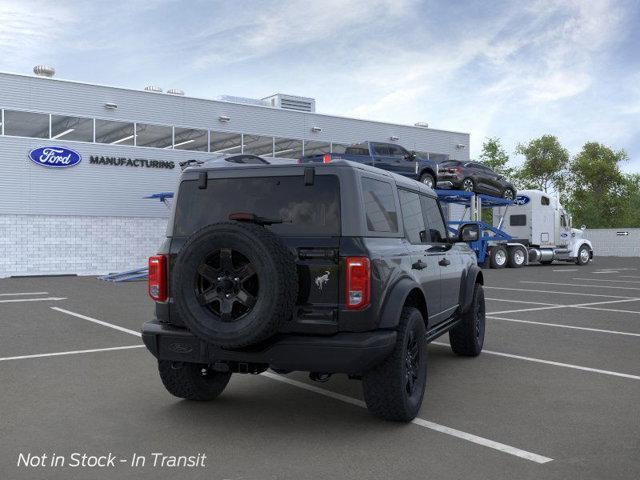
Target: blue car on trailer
494 247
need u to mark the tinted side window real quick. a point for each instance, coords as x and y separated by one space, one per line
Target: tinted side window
436 229
380 207
544 200
381 149
396 151
414 228
517 220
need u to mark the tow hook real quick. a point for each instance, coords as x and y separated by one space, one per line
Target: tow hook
319 377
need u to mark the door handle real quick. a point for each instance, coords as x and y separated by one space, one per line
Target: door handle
444 262
419 265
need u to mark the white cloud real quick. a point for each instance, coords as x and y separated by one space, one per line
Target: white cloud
30 30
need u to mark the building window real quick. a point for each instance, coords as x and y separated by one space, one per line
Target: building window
114 133
190 139
287 148
72 128
312 147
380 206
26 124
224 142
257 145
157 136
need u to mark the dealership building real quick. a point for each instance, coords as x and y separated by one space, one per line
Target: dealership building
77 160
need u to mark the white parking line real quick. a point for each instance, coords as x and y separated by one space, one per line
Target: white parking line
556 292
72 352
99 322
44 299
555 364
527 309
603 280
23 293
616 310
566 269
577 305
578 285
519 301
559 325
485 442
628 276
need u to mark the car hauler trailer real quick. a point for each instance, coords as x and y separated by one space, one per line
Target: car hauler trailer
534 228
494 247
538 221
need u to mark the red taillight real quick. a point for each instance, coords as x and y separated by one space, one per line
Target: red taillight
358 282
326 158
158 278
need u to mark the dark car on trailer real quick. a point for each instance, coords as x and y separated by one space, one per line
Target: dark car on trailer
330 268
474 177
387 156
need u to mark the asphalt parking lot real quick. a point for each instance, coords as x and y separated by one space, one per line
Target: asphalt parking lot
555 394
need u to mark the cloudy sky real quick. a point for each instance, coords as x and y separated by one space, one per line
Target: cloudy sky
515 69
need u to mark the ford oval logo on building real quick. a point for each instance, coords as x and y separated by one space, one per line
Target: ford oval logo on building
55 157
521 200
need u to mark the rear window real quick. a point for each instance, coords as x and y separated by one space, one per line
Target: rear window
312 210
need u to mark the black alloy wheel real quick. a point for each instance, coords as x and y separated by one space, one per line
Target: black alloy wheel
227 284
412 363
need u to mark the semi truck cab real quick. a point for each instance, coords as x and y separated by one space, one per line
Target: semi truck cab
538 221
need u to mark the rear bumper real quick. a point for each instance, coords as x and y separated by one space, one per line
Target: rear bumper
352 353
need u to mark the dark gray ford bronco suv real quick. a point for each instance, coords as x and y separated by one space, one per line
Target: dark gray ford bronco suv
329 268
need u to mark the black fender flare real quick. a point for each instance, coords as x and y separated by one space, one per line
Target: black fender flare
395 300
472 276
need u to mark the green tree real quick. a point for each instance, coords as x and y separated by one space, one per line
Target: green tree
599 192
545 164
631 202
495 157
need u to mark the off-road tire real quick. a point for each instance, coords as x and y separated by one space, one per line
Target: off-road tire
276 271
192 381
385 386
427 176
467 337
512 260
495 256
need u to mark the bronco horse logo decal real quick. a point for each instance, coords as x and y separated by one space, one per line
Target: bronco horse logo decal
322 280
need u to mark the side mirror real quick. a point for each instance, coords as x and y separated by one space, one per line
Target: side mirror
410 156
583 227
469 232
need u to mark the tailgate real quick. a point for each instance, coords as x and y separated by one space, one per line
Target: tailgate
319 285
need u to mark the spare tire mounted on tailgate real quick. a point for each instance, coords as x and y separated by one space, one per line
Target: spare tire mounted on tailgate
234 283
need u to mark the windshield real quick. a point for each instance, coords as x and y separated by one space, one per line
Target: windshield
305 210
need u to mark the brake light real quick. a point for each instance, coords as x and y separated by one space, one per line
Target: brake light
158 278
358 282
326 158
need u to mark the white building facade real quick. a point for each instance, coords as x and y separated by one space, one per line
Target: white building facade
78 207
